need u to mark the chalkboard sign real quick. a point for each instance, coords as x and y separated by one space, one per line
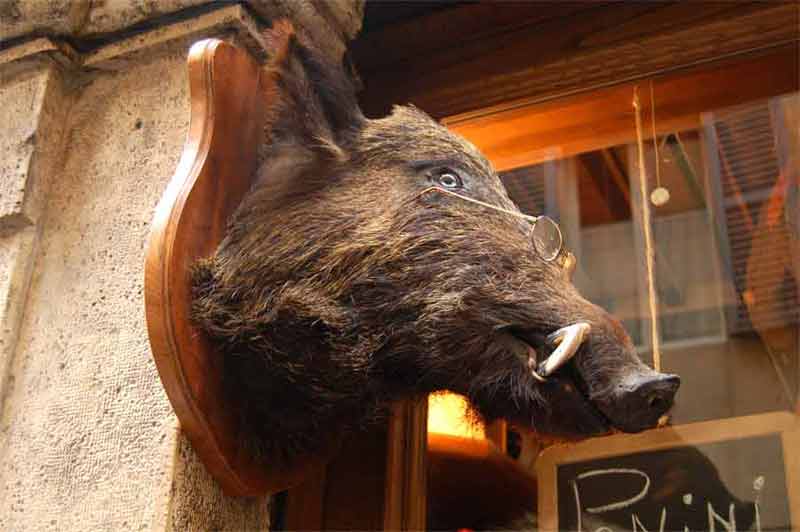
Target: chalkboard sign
728 475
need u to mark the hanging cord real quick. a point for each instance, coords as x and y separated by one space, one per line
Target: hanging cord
648 233
660 195
655 138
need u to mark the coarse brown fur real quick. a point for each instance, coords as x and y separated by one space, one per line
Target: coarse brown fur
338 288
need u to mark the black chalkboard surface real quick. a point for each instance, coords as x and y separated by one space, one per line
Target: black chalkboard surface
735 474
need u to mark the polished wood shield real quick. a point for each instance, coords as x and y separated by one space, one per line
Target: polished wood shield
231 102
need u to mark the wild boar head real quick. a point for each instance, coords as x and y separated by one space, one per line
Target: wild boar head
361 269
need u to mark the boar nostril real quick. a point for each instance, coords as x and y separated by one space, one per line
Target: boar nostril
654 401
645 399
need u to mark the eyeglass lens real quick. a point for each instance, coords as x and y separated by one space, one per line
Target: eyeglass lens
547 238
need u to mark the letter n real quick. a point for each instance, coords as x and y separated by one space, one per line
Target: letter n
713 517
636 523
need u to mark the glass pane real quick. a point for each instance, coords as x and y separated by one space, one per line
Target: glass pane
725 285
725 275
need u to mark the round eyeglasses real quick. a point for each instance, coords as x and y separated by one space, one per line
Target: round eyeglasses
545 233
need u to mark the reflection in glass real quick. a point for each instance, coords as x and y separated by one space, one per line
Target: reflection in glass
726 250
726 239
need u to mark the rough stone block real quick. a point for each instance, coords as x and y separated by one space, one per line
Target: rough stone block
22 100
52 17
329 19
32 113
202 504
80 18
231 22
110 16
86 425
16 258
88 440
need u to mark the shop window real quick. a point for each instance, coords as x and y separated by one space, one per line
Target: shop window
725 281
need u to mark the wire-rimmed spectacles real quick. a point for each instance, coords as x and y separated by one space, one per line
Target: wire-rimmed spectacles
545 233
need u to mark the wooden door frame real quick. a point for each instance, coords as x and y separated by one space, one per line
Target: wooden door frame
377 481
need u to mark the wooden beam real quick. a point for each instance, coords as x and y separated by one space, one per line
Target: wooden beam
453 33
510 54
586 122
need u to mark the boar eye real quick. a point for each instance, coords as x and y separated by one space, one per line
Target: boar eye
449 179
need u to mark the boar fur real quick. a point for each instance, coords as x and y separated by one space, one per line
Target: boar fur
338 288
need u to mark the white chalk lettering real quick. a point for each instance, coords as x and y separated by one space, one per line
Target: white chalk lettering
758 485
715 520
577 505
758 518
713 517
619 504
636 523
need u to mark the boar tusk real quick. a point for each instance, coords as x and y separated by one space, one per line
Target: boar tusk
532 361
568 339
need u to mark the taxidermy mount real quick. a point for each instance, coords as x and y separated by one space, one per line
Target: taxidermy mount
380 259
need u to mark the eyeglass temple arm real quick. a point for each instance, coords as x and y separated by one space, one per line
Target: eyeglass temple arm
483 204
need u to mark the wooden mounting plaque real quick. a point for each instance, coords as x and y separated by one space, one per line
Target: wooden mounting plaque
231 98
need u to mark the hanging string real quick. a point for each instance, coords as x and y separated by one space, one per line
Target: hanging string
648 234
655 138
660 195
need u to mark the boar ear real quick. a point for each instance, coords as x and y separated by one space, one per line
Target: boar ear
316 106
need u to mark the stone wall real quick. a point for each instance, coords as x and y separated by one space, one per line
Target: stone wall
92 122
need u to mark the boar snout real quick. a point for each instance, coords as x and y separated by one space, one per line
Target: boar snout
641 399
630 395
